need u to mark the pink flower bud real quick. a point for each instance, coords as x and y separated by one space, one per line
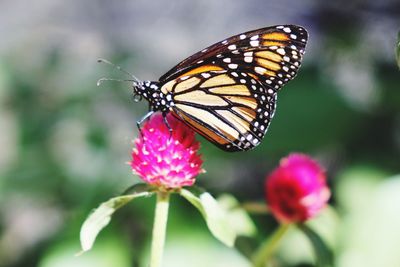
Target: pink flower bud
165 160
297 189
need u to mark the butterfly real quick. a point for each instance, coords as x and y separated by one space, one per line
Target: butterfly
227 92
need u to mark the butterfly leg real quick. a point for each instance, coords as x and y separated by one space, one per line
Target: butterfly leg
167 124
140 122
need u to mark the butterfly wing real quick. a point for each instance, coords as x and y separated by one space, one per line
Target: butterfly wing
291 38
222 108
227 92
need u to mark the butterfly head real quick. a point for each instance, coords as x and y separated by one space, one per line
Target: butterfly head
150 91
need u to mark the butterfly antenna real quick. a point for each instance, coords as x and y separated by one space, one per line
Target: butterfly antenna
102 60
101 80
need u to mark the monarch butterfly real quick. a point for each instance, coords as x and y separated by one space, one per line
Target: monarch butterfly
227 92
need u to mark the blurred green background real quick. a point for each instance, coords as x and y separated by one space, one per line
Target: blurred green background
64 142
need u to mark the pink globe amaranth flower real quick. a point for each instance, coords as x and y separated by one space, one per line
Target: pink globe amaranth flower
163 159
296 190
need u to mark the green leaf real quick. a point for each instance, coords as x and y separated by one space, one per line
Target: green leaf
216 217
238 217
101 216
137 188
398 50
324 255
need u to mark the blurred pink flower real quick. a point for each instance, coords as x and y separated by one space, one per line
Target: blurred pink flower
168 161
296 190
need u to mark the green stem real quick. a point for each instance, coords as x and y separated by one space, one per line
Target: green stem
264 253
159 229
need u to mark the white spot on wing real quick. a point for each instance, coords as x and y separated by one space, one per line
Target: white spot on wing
254 43
281 51
248 59
233 66
255 37
286 29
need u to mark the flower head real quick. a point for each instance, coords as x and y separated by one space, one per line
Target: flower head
296 190
164 159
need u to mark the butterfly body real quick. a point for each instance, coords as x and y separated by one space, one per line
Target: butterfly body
227 92
150 90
